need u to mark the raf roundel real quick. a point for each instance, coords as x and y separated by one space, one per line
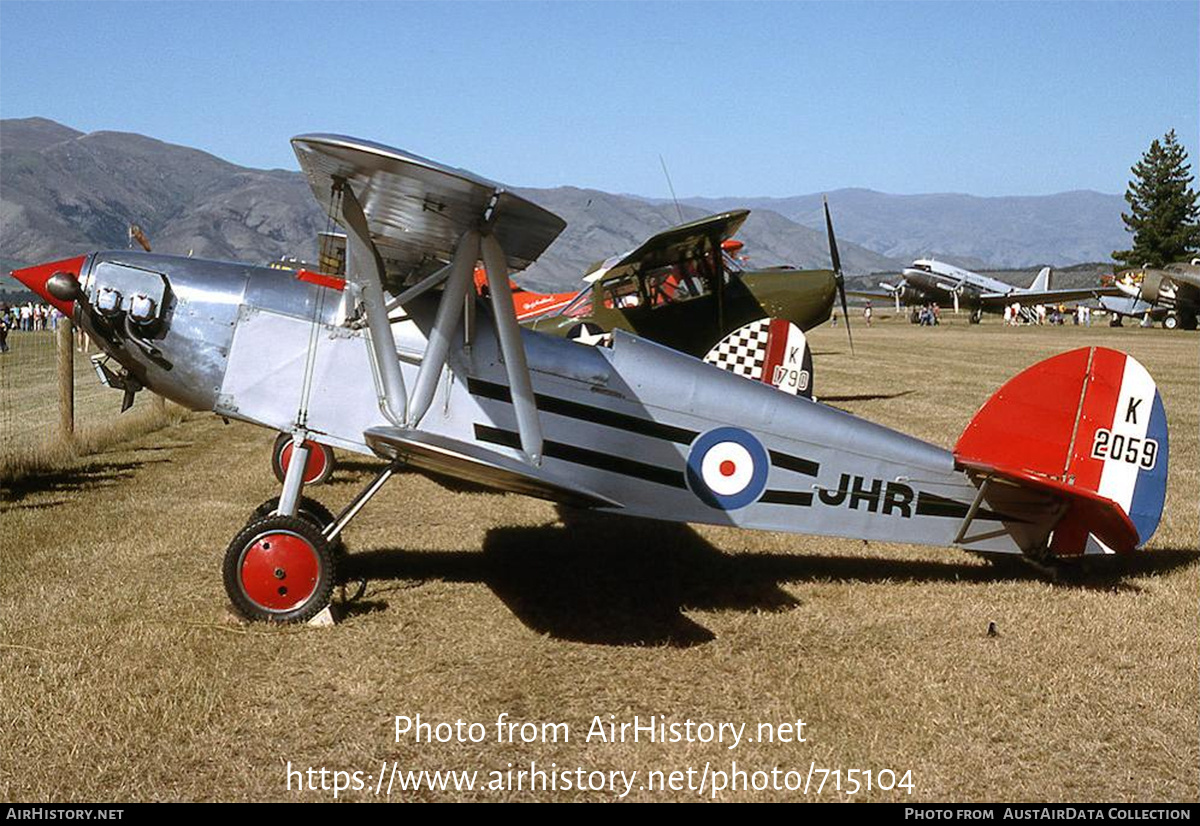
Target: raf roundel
727 468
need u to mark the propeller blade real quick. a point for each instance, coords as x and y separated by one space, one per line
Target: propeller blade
841 282
833 250
836 260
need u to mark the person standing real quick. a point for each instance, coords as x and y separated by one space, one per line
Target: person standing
867 313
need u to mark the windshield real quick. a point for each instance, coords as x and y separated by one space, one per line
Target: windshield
577 307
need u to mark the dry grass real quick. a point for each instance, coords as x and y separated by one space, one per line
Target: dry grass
120 678
29 416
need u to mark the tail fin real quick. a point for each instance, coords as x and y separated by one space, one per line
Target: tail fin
1089 427
1041 283
771 350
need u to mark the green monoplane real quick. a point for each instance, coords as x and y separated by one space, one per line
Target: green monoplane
685 289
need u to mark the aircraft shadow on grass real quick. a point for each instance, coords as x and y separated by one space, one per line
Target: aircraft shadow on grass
64 484
355 470
865 397
615 580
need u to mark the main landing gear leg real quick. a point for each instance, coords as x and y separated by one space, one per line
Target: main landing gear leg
283 567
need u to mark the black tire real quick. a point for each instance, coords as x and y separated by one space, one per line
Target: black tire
307 558
1170 321
283 440
306 508
310 509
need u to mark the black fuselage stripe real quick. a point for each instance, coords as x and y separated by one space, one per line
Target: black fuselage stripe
587 413
930 504
802 498
806 466
583 456
623 421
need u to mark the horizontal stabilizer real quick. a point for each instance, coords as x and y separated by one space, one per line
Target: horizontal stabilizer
1102 517
475 463
1089 427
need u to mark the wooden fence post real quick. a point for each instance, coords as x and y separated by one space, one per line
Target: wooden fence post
66 379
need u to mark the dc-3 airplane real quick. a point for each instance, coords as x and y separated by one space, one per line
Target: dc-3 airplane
928 281
1069 458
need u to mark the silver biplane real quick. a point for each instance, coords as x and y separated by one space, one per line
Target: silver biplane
402 360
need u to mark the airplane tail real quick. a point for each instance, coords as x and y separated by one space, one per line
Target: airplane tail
1088 427
1041 283
771 350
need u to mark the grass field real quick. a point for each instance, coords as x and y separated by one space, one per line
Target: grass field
122 678
29 412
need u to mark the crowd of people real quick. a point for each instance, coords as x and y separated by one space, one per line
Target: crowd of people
30 316
929 315
1016 315
27 318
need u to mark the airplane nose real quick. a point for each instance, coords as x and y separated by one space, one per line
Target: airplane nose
60 291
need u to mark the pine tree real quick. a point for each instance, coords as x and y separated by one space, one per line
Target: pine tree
1164 215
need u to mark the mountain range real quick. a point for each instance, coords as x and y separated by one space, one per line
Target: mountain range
979 233
64 192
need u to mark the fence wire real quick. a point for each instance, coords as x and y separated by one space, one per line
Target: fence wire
30 421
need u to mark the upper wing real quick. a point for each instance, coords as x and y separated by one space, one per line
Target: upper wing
1045 296
417 209
684 242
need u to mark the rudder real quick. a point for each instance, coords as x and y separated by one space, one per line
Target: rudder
771 350
1088 425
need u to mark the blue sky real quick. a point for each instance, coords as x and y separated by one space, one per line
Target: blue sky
774 98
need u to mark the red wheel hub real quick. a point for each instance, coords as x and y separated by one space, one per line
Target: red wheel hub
280 571
313 467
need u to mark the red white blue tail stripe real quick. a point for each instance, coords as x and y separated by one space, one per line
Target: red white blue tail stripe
1127 455
1090 426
